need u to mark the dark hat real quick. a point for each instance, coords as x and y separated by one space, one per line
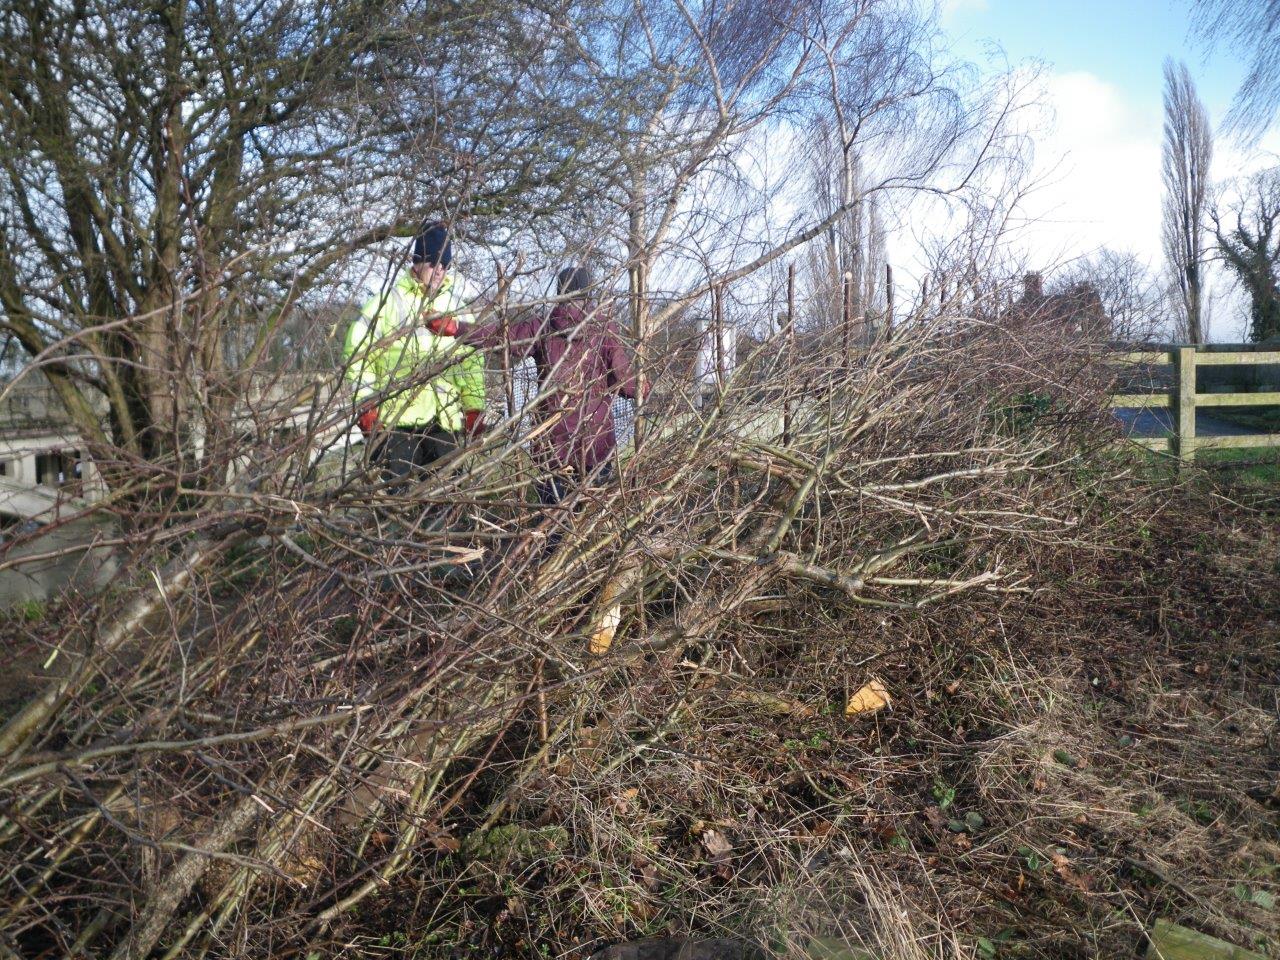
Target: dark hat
573 280
432 245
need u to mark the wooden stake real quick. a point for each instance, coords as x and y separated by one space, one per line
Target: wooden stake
1186 425
790 348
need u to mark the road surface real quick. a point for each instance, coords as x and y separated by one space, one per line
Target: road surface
1154 422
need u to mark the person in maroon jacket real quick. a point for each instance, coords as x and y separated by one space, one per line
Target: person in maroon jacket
582 366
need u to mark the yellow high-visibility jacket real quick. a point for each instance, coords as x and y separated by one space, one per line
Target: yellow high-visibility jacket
389 349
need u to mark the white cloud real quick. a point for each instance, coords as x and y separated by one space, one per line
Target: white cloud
1097 172
1095 184
1095 180
1098 168
1098 163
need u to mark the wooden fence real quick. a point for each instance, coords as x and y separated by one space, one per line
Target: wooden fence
1183 399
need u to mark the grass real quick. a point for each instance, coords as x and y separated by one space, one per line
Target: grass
27 611
1256 471
1250 468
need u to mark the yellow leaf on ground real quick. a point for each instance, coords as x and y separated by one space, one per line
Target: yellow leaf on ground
872 697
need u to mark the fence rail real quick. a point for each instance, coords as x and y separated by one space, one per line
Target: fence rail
1183 398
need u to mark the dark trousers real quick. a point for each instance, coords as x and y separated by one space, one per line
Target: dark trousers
404 454
407 450
551 489
554 487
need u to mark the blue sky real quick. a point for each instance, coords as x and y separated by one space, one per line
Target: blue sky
1098 149
1122 41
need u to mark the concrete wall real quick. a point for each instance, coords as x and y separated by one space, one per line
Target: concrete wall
82 569
33 423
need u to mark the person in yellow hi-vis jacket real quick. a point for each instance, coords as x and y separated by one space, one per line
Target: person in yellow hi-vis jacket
417 392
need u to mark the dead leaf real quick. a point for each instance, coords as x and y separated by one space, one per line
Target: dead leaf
886 831
871 698
445 843
716 844
936 818
1062 867
771 703
648 874
622 800
641 911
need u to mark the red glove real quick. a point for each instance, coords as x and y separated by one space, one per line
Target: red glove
367 421
473 422
443 325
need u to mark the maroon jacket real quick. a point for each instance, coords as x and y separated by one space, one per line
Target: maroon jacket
581 367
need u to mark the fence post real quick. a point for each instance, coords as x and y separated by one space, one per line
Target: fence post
717 332
1186 425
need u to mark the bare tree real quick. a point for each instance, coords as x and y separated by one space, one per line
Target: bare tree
175 178
719 73
1133 298
1247 230
1251 27
866 73
846 266
1188 152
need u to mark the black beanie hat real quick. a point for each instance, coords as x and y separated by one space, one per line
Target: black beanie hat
432 245
573 280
